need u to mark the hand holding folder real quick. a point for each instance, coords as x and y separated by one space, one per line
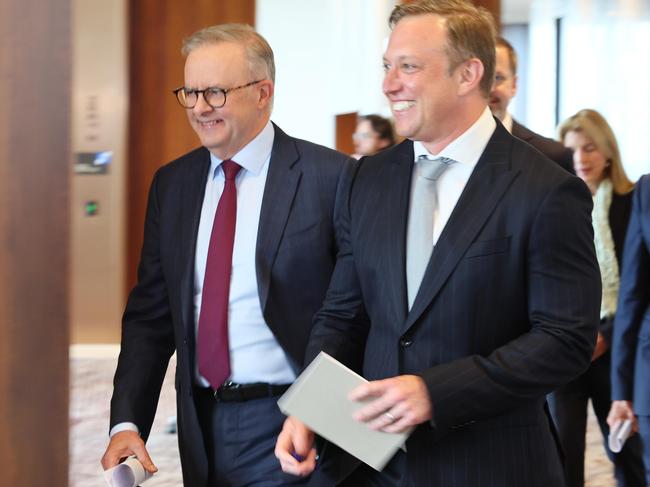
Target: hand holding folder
319 398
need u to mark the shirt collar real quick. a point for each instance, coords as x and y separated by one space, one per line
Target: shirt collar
507 122
468 147
254 155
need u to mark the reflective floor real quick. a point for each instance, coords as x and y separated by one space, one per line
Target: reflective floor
91 376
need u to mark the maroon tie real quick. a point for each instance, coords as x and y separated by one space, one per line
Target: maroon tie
214 354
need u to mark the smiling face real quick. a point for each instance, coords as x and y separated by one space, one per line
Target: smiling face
427 100
225 131
589 162
504 87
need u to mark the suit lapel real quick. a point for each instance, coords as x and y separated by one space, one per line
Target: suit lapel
521 132
281 184
191 203
485 188
400 183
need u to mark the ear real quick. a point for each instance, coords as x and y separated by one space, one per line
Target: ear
515 79
469 74
266 90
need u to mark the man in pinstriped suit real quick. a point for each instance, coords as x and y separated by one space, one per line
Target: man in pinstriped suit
508 305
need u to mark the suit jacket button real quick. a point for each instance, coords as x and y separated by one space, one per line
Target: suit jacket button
406 342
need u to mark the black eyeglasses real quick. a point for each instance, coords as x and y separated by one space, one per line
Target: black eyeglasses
213 96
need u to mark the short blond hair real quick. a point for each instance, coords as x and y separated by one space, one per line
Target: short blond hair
471 32
593 125
258 51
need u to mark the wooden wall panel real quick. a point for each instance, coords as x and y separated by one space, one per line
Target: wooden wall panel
35 64
346 124
494 6
158 127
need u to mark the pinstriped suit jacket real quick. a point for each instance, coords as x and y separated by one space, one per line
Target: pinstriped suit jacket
549 147
295 256
507 311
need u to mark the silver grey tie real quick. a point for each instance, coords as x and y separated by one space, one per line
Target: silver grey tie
419 234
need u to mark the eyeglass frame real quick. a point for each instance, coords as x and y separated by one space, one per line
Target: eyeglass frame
364 135
225 92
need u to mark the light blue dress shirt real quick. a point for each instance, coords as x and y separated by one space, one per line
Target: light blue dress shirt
255 355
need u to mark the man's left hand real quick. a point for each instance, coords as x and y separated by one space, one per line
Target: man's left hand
398 403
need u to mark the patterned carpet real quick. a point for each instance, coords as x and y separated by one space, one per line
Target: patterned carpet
92 371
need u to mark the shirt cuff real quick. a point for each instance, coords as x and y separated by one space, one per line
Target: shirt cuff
126 426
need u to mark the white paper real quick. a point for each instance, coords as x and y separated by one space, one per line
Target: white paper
129 473
319 398
618 434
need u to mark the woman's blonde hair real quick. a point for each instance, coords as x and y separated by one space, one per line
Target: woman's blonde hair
593 125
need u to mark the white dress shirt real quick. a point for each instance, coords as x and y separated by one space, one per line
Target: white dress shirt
507 122
466 151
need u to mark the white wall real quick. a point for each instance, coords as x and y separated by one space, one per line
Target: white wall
604 64
328 57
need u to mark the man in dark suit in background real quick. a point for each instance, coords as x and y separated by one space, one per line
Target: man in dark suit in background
631 344
238 252
503 90
466 284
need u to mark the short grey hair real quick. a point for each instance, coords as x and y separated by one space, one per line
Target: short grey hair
258 51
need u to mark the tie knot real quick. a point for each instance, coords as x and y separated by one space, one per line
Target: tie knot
230 169
432 169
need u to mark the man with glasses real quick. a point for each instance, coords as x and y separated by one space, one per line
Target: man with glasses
237 256
504 89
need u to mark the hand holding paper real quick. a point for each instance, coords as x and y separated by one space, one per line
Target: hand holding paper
619 434
131 473
125 444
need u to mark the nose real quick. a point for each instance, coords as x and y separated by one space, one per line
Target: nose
201 106
578 156
581 160
391 82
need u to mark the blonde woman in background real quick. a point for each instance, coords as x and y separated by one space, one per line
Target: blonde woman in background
597 161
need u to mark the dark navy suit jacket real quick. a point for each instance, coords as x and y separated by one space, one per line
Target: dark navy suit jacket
507 310
549 147
631 343
295 255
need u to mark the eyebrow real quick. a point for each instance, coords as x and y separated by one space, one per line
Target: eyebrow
403 56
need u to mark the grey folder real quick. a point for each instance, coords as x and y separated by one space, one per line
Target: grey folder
319 399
